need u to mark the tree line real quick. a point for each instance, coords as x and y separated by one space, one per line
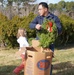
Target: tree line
11 20
22 8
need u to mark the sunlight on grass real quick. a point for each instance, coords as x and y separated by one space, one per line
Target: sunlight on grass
63 62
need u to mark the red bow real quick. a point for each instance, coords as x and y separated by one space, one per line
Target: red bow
50 24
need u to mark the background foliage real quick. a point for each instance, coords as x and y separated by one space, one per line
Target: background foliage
67 31
9 27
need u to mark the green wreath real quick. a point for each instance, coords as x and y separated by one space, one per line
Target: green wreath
48 33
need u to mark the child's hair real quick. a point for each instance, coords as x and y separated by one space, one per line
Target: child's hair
21 32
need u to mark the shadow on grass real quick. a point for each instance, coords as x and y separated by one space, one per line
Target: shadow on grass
65 47
65 68
7 70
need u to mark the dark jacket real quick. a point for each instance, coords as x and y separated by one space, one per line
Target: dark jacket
39 20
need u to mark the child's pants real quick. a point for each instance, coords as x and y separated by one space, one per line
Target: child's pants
21 67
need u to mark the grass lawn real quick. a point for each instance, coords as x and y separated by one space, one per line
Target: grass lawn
63 62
